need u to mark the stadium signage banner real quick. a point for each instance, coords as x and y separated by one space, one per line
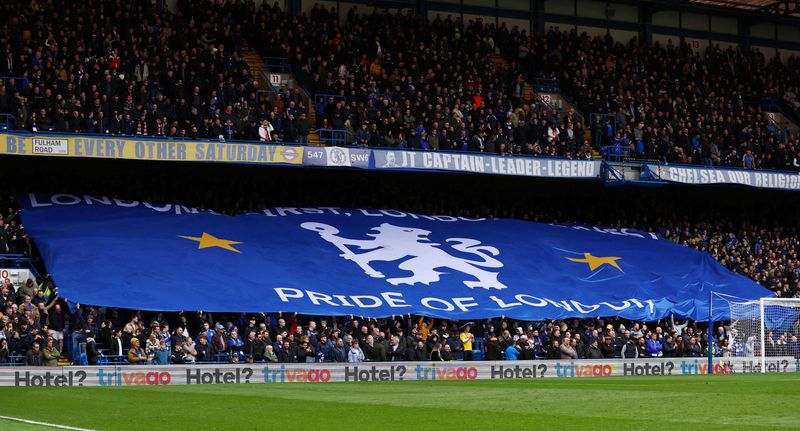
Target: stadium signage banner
698 175
18 276
49 146
366 262
208 374
337 156
486 164
148 149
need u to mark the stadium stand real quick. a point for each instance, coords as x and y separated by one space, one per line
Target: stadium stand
757 240
388 80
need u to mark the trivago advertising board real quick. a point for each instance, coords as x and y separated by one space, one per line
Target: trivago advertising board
114 147
126 375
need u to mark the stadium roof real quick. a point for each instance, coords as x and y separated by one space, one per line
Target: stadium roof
778 7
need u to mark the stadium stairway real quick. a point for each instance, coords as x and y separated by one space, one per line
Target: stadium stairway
528 94
499 61
554 100
261 72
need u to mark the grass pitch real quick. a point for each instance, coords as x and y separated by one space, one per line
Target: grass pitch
724 402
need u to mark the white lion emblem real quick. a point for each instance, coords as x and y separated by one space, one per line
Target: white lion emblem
392 243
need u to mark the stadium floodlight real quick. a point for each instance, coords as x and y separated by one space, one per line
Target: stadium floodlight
763 328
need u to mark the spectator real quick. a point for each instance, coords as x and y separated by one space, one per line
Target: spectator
467 338
189 350
116 344
553 351
630 349
162 353
396 351
265 132
594 352
419 353
35 357
512 352
339 354
355 354
204 349
447 353
136 355
641 347
219 342
235 344
178 356
654 347
669 348
269 355
436 353
379 352
748 161
567 351
5 353
151 347
793 348
693 349
305 351
303 128
50 354
92 353
286 354
56 320
493 352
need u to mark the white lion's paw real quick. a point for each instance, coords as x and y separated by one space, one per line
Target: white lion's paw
474 284
396 281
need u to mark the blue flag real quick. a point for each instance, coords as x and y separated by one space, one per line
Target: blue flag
375 263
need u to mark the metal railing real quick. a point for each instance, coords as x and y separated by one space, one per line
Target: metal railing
18 261
264 95
7 122
615 153
321 99
278 64
18 81
545 85
335 137
153 138
604 122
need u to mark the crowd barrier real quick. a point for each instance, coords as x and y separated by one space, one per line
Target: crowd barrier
700 175
386 371
168 149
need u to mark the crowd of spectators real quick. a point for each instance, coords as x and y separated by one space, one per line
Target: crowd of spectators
670 102
124 336
394 80
136 68
433 85
130 68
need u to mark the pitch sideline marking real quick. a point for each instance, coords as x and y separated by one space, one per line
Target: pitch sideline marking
45 424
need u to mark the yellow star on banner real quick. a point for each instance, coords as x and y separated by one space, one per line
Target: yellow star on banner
208 240
595 262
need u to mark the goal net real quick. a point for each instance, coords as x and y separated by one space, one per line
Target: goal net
769 327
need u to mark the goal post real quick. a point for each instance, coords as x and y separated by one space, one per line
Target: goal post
764 328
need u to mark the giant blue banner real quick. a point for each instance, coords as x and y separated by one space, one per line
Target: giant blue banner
375 263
